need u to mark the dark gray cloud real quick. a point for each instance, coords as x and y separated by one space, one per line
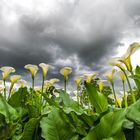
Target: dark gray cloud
82 34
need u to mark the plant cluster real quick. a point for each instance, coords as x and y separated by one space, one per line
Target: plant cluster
50 113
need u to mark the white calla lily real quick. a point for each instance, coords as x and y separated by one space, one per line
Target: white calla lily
23 83
15 78
78 80
90 76
32 68
65 71
6 71
45 68
54 80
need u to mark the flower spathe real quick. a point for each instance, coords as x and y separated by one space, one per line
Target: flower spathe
101 85
122 75
110 74
45 68
65 71
54 80
6 71
78 80
15 78
23 83
117 63
32 68
90 76
126 58
132 49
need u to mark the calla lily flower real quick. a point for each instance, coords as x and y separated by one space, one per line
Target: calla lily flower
22 83
32 68
45 68
115 62
132 49
126 58
15 78
38 88
54 80
101 85
47 84
78 80
6 71
65 71
110 74
51 82
122 75
89 77
118 99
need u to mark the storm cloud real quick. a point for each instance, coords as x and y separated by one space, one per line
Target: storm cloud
77 33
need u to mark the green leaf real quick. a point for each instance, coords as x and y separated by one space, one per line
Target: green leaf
97 99
18 100
133 112
56 127
29 129
6 130
70 105
8 111
136 77
110 126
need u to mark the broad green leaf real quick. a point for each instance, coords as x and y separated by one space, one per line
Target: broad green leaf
97 99
8 111
110 126
18 100
56 127
136 77
70 105
29 129
120 136
133 112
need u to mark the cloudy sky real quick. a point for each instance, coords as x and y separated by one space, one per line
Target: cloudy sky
83 34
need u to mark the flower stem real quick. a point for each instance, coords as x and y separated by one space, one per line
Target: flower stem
32 82
113 89
11 87
65 83
4 89
125 97
130 88
78 94
42 84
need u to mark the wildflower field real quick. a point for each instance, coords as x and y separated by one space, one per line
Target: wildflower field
50 113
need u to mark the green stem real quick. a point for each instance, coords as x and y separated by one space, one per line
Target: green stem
125 97
11 87
130 88
65 84
114 93
78 94
43 78
4 89
32 82
42 84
